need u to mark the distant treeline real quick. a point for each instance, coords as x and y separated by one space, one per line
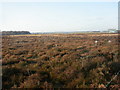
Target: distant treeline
14 32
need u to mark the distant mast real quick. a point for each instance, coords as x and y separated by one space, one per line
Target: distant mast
119 17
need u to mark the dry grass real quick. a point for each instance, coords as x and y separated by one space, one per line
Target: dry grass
66 35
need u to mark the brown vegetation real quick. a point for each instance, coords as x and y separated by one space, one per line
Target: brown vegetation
60 61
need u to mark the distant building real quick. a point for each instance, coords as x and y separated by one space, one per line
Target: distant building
112 31
118 31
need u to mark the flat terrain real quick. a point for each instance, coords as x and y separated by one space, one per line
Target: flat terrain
60 61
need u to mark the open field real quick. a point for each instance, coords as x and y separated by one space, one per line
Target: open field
60 61
66 35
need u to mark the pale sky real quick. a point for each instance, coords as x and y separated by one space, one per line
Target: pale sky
58 16
59 0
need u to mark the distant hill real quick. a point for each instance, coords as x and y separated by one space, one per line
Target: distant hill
15 32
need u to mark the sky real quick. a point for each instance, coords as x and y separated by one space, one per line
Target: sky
59 0
58 16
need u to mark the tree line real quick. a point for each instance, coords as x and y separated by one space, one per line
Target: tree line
15 32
